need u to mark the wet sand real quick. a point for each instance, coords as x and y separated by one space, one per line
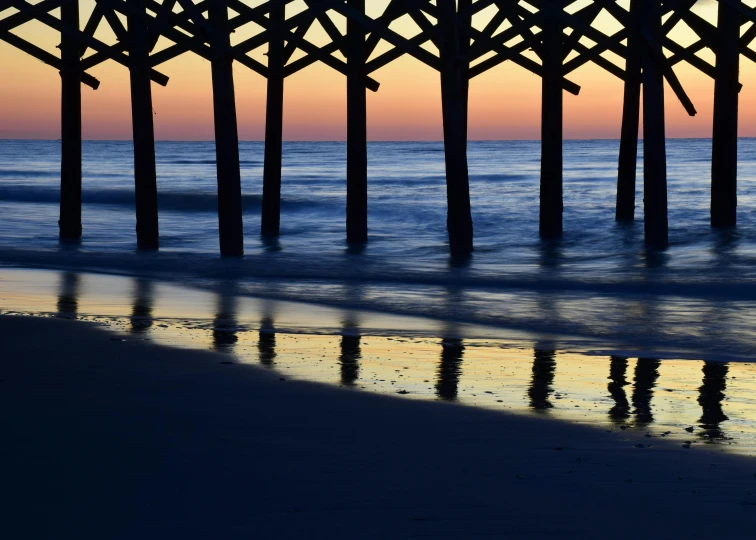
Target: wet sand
122 439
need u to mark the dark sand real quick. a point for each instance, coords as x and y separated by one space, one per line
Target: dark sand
110 439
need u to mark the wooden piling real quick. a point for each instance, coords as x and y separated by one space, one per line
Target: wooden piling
145 176
552 104
357 188
70 166
453 100
628 152
271 202
724 158
226 134
654 144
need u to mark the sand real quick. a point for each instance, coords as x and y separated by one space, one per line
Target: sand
111 439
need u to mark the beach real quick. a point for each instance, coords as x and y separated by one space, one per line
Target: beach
110 437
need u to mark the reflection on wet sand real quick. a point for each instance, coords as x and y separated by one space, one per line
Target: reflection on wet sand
450 370
266 342
646 374
620 412
225 324
544 367
141 313
350 359
68 296
710 397
692 399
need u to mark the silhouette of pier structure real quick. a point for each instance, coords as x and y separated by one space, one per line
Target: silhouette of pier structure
459 39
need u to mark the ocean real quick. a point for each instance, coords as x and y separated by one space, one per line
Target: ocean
598 285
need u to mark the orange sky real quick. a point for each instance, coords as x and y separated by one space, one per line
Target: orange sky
504 103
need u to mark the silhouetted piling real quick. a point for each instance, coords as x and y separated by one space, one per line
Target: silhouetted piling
628 152
271 202
357 182
230 224
70 129
145 176
459 217
724 156
552 102
654 144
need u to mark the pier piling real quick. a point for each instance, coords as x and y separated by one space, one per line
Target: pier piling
271 201
70 133
230 223
654 144
357 182
724 158
552 104
628 152
145 176
459 216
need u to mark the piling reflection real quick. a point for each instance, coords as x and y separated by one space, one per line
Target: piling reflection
646 374
68 295
266 342
544 368
141 312
620 412
447 384
710 397
350 359
225 324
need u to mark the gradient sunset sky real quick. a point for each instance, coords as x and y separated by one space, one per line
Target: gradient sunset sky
504 103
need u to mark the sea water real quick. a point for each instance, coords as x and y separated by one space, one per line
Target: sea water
598 283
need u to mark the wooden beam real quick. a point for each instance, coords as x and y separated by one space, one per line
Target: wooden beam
90 41
44 56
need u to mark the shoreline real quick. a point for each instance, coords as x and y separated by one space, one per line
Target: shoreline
122 439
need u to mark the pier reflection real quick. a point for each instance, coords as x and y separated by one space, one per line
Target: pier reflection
620 412
646 374
450 370
225 324
266 341
68 295
141 312
710 397
544 368
351 352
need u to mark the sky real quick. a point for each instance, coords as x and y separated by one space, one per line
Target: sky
504 102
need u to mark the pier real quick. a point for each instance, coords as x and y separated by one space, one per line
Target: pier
549 38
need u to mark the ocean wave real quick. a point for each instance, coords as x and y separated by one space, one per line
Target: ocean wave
170 201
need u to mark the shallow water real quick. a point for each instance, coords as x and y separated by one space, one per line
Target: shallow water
597 283
692 401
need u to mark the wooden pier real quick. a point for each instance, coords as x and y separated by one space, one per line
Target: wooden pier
550 38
